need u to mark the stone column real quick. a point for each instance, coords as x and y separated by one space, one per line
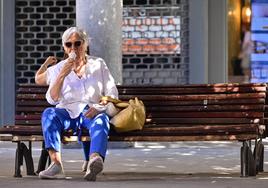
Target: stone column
7 62
102 20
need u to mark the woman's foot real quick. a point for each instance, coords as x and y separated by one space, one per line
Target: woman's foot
95 166
54 171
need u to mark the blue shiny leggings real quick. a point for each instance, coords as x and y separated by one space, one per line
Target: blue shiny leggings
57 120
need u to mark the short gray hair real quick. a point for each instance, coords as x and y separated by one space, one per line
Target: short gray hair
82 34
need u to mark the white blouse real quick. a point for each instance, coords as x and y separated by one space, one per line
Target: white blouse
76 92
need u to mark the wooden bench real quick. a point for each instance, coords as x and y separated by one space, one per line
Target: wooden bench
234 112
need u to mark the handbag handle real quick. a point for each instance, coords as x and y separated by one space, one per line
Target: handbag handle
118 103
110 99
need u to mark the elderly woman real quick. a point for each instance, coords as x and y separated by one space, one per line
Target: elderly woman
76 85
40 79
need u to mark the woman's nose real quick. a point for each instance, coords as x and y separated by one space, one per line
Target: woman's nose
72 47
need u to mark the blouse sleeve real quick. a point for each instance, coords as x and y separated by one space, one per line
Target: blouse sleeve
51 77
50 74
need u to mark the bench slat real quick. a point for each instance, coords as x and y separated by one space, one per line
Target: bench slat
179 91
206 114
43 104
239 137
159 121
31 88
195 97
168 114
215 108
206 108
153 131
169 97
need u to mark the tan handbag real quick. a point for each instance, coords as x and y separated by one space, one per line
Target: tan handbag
131 115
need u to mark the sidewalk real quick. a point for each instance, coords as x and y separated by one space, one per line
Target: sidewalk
182 164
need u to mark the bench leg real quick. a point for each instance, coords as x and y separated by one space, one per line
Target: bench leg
27 153
18 160
43 159
248 164
23 151
259 155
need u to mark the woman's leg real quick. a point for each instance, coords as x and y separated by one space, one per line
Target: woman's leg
86 149
54 121
98 130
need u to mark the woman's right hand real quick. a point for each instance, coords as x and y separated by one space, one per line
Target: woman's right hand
91 112
50 60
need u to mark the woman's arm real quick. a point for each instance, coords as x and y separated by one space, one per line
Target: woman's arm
55 88
40 76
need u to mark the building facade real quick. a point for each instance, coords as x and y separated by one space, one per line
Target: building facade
155 38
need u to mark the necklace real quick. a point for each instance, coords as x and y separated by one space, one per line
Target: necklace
80 69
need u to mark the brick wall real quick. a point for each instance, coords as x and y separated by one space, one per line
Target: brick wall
155 38
155 42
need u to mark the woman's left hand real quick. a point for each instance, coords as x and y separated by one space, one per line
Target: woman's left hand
91 112
103 102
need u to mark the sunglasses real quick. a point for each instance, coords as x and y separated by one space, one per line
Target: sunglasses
76 44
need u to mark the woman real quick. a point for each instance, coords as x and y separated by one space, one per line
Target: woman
75 87
40 79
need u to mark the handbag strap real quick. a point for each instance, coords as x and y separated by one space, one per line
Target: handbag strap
110 99
118 103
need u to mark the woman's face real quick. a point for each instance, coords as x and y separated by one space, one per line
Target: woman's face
75 44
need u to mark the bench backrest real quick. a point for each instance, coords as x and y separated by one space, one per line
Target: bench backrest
216 109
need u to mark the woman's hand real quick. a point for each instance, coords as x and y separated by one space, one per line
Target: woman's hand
104 101
91 112
50 61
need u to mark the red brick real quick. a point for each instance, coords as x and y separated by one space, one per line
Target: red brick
162 48
124 48
128 42
142 41
174 47
134 48
168 41
148 48
155 41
